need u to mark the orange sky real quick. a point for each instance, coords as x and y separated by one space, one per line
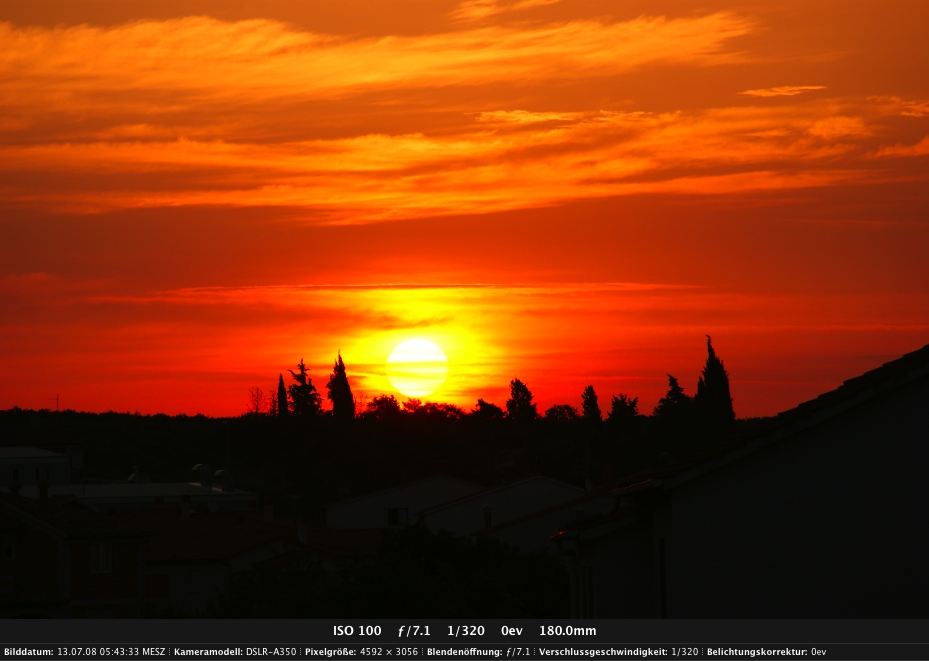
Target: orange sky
195 195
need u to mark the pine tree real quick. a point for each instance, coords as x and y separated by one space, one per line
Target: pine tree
623 418
713 395
623 407
519 406
340 392
675 403
304 399
590 406
281 396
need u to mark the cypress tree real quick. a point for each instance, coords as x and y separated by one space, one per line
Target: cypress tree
303 395
340 392
281 397
590 406
713 395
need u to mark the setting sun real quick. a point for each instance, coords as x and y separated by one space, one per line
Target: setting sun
417 367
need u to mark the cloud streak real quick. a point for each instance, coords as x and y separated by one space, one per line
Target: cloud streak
204 60
786 90
475 10
183 113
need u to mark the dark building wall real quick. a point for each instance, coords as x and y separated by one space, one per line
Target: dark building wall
832 522
36 561
623 580
122 580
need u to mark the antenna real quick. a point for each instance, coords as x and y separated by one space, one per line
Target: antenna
56 402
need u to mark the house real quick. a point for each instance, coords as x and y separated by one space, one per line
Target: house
25 465
495 507
115 497
532 531
394 507
61 559
823 514
193 552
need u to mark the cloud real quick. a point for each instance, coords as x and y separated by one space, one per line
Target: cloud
525 117
474 10
204 60
787 90
501 160
921 148
198 111
905 107
832 128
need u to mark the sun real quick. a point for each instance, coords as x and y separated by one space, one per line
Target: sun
417 367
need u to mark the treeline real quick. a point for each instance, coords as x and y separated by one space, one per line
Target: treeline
304 457
362 446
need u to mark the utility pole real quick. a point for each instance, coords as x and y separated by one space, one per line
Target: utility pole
56 402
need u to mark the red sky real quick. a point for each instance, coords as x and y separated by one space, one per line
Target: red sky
195 195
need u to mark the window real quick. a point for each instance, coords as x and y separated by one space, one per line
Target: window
101 558
398 516
9 551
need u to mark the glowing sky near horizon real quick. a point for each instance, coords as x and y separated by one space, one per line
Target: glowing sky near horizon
195 195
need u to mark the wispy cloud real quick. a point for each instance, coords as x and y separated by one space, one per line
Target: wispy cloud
527 117
905 107
200 60
500 160
786 90
921 148
475 10
198 111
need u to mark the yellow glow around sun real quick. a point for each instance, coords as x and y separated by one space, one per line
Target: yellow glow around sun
417 368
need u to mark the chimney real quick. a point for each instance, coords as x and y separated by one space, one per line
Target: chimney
225 479
205 476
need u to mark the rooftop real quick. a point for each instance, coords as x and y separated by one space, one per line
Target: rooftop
28 452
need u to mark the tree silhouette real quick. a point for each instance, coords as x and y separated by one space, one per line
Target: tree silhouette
563 413
713 395
624 422
443 411
304 399
675 403
623 408
384 407
272 403
340 392
519 406
256 401
412 405
590 406
282 396
485 411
